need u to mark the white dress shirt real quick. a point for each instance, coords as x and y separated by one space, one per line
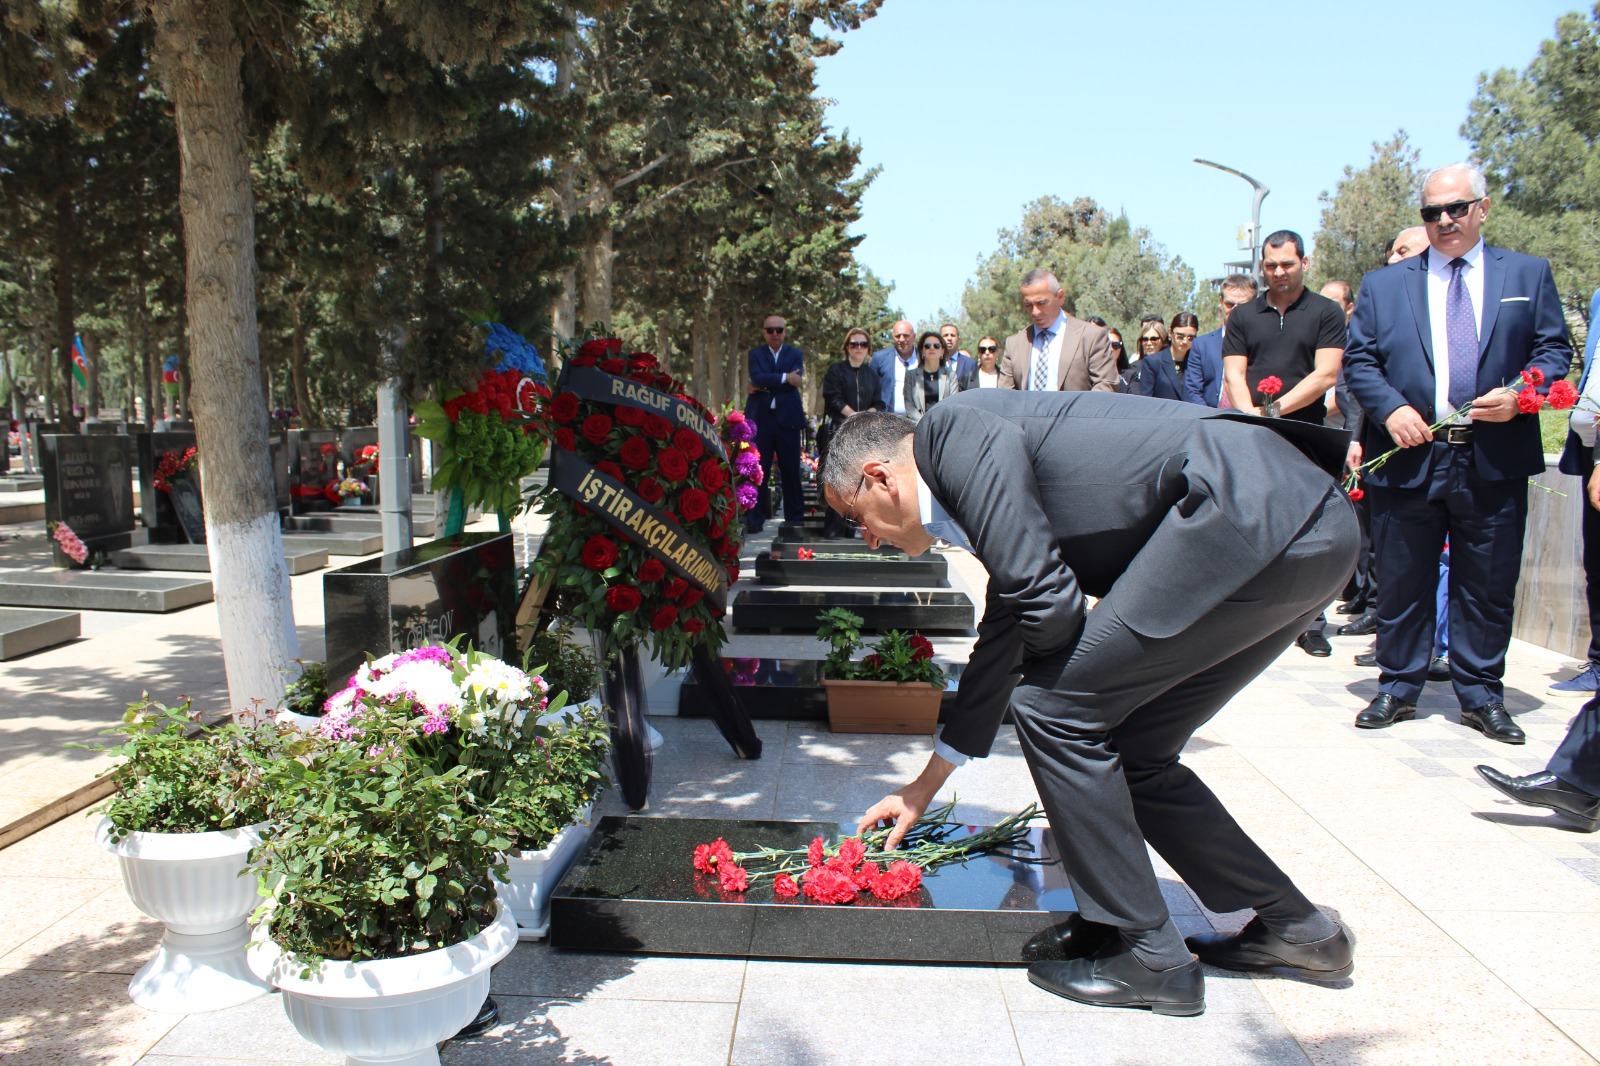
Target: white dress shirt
939 523
1438 287
901 365
1052 354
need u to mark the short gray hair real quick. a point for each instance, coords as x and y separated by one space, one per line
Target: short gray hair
1476 182
1240 281
859 440
1038 274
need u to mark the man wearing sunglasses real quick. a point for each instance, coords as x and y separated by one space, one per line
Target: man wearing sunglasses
1433 340
1202 378
775 407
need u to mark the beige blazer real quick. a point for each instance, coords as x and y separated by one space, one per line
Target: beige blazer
1087 361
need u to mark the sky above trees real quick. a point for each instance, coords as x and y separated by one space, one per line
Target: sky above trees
974 111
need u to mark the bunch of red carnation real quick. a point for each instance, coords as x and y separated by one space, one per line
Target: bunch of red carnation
1562 395
832 879
172 466
619 587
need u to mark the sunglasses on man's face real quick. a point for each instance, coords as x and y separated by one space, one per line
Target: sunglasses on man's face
982 348
774 329
1459 209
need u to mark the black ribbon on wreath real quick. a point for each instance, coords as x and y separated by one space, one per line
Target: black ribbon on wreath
623 689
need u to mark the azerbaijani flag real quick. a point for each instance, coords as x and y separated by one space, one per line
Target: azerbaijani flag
80 365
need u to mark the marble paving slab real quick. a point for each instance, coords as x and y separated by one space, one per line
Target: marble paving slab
23 630
85 590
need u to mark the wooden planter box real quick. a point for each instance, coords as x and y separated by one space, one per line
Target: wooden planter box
882 707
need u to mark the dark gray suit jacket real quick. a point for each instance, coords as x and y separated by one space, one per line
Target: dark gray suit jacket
1064 494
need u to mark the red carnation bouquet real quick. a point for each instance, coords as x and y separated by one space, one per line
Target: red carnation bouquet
174 465
859 869
610 582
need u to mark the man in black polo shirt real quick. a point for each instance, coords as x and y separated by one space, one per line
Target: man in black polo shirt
1296 336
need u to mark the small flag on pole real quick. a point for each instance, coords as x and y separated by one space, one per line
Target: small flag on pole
80 365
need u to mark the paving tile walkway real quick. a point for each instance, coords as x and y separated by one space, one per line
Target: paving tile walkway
1477 921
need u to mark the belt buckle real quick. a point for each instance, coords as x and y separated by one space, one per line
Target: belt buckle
1458 434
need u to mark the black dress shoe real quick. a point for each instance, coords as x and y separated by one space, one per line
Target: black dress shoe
1545 789
1439 669
1493 722
1314 644
1116 978
1367 658
1352 606
1074 938
1255 947
1384 711
1364 626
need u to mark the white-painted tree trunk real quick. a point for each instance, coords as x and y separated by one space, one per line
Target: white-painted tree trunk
256 617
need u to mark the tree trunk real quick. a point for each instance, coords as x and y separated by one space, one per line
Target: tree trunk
700 346
564 319
199 56
599 259
66 240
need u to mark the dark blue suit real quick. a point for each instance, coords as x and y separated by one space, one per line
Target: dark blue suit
1158 377
1475 494
1202 375
779 416
883 362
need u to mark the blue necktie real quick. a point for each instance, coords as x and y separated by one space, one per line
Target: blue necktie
1041 364
1461 335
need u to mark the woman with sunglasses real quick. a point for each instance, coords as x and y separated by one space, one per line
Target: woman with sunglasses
1161 374
986 375
850 386
931 379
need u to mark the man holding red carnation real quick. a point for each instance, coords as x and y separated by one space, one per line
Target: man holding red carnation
1448 354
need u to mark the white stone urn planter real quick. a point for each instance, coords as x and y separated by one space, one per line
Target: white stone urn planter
535 874
305 723
191 883
388 1010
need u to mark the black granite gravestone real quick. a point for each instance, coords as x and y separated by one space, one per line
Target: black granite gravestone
817 542
313 462
633 890
784 689
88 485
156 508
819 567
465 585
776 610
278 449
811 527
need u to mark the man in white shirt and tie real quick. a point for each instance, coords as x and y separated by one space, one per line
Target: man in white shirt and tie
1057 352
893 362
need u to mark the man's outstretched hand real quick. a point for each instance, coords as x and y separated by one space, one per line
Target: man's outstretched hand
903 808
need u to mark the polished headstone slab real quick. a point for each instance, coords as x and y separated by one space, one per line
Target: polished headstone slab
156 508
313 461
852 569
784 689
196 558
101 590
346 520
775 610
837 546
811 527
335 543
465 585
23 631
634 890
88 484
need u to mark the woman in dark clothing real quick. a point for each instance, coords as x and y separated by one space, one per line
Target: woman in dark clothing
1161 373
931 379
849 386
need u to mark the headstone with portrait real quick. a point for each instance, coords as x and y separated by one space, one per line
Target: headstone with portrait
88 487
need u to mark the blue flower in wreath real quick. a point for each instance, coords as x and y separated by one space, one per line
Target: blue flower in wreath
513 352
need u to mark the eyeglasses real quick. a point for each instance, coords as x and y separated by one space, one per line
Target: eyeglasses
773 329
1116 344
988 348
1147 338
1459 209
857 344
849 519
932 347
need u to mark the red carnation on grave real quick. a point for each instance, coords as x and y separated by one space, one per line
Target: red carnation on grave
651 489
596 428
828 884
606 466
1270 385
613 366
629 416
652 570
783 887
693 504
1533 376
599 552
816 854
673 464
635 453
900 879
1563 394
1529 401
566 439
658 427
623 598
921 647
731 878
692 626
852 851
663 618
707 857
688 442
674 588
712 479
867 875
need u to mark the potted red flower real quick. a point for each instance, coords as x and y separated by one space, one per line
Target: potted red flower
897 688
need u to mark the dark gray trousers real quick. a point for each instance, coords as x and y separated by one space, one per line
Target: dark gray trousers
1103 724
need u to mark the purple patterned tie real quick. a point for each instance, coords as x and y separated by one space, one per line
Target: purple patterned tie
1461 334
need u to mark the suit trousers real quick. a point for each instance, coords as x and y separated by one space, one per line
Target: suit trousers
1591 550
1577 760
1484 521
1103 724
776 442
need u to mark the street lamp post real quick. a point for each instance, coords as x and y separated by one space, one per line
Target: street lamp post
1255 212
